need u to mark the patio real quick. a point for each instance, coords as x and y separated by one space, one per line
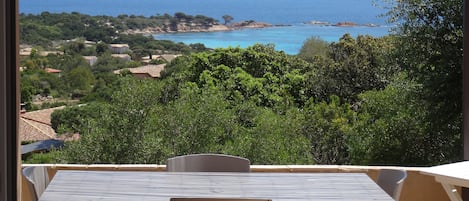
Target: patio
417 186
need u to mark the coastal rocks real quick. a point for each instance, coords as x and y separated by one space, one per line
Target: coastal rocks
353 24
193 27
249 24
145 31
218 27
315 22
340 24
345 24
185 28
371 25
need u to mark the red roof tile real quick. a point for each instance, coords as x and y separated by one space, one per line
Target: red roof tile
51 70
36 125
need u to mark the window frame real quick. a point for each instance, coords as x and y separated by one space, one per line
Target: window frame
9 98
10 166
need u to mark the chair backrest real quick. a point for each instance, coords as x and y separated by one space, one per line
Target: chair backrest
391 181
208 163
37 180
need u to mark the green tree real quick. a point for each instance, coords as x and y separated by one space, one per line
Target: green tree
74 47
391 128
102 48
27 91
105 85
313 47
106 63
430 48
257 73
352 66
197 122
80 81
75 119
227 19
122 133
327 126
180 16
272 138
39 82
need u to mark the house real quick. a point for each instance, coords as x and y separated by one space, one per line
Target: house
46 53
25 52
123 57
148 71
36 125
89 43
119 48
54 71
167 57
91 59
163 57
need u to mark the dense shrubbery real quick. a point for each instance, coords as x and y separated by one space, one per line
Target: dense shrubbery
248 102
257 103
430 49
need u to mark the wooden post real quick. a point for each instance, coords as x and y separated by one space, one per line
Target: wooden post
9 101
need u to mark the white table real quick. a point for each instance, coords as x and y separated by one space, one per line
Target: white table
450 176
161 186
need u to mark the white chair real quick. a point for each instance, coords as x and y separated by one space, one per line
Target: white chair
37 180
391 181
208 163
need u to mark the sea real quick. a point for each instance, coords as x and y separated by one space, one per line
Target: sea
292 18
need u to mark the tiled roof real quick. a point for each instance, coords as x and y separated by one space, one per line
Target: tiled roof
42 116
122 56
118 45
169 57
34 131
36 125
51 70
90 57
165 57
152 70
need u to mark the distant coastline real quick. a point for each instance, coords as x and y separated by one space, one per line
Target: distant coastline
217 27
341 24
184 27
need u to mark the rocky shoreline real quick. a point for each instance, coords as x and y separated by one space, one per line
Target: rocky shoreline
341 24
216 27
193 28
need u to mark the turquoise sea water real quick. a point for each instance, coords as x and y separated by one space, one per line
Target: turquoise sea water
286 12
288 39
